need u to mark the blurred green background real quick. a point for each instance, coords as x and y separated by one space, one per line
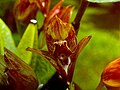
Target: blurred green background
102 21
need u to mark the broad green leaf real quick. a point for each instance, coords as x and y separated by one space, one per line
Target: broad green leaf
44 70
45 55
103 1
27 41
34 56
6 39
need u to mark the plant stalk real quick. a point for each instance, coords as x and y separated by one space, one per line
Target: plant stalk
81 10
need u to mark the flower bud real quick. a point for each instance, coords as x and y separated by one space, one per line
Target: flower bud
24 10
59 33
64 13
20 75
111 76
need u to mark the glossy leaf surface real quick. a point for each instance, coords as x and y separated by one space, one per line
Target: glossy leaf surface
6 39
27 41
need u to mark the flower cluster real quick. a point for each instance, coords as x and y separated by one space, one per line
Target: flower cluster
61 40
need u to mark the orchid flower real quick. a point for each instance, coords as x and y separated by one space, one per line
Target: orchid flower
111 76
63 48
25 10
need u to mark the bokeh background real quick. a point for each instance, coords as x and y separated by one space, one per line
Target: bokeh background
102 21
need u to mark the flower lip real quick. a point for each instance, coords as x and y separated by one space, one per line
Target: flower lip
60 42
61 49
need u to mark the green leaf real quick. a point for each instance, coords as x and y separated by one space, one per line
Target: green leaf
103 1
44 70
6 39
27 41
41 40
34 56
40 19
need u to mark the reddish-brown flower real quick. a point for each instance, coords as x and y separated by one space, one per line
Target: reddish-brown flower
43 5
25 10
111 76
64 13
20 76
62 46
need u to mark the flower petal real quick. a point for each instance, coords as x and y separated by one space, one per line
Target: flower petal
24 10
53 12
111 74
65 13
81 45
59 30
75 54
20 75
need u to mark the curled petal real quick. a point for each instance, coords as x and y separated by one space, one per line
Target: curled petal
43 5
53 12
80 46
65 13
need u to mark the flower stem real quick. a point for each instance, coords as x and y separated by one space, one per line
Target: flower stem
56 83
100 86
82 8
